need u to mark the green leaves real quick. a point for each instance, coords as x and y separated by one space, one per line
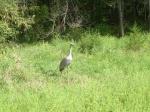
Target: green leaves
136 39
6 32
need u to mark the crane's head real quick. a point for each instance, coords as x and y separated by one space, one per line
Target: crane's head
71 44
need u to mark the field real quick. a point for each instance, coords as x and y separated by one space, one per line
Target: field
106 75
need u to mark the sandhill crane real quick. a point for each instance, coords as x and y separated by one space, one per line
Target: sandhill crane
65 62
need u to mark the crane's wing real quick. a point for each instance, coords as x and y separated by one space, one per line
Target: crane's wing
63 64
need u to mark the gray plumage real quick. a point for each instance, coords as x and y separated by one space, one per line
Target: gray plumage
64 63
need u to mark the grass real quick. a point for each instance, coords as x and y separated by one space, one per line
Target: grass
110 78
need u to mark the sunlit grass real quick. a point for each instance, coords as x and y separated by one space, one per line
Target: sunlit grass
110 78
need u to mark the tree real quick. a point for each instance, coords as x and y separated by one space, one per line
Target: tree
121 23
149 13
134 10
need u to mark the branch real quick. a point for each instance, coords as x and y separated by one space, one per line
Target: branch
64 18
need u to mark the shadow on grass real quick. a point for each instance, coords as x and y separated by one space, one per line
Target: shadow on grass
50 72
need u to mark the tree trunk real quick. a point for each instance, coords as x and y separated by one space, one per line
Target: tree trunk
134 11
50 4
149 14
120 9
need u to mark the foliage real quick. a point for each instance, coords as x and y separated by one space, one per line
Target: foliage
42 25
6 32
136 39
40 19
12 22
74 33
89 44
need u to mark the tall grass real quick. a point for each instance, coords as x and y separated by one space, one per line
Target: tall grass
105 76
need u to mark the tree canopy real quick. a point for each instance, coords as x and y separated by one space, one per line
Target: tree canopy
30 20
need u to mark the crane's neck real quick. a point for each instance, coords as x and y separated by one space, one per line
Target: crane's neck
69 56
70 51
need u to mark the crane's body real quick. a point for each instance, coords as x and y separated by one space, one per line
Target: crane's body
66 61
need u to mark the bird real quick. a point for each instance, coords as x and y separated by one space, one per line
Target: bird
65 62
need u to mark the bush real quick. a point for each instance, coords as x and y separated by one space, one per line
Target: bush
6 32
42 24
89 44
74 33
136 39
12 21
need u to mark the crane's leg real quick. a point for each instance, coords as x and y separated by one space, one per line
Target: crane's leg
67 69
67 74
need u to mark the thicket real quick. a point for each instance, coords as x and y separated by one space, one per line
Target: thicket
33 20
12 21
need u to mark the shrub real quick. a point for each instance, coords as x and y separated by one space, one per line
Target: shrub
6 32
12 21
136 39
89 44
75 33
42 24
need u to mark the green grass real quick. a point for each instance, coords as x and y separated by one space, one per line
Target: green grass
109 78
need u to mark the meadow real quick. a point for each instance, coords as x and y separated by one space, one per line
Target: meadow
107 75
